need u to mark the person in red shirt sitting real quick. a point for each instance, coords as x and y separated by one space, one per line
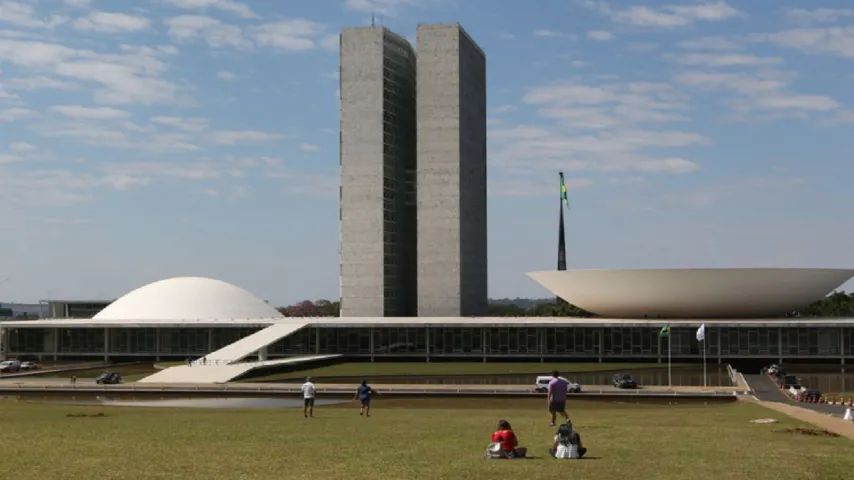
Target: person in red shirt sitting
507 439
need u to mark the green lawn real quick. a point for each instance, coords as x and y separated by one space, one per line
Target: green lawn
452 368
411 439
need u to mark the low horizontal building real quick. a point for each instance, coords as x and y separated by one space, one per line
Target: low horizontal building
194 317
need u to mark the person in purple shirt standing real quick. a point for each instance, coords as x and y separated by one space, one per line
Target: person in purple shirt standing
557 397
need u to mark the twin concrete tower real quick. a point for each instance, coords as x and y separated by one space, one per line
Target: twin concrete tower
413 174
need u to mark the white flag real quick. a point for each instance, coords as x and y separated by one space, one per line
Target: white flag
701 333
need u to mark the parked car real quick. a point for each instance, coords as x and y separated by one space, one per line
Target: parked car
789 381
811 396
10 366
29 366
624 380
542 384
109 378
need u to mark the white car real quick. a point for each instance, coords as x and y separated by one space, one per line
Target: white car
29 366
542 384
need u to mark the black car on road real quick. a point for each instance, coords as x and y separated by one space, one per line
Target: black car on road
109 378
624 380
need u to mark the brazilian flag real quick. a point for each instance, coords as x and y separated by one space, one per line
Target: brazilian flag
563 195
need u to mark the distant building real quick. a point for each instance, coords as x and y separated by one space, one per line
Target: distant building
73 308
413 173
452 251
378 224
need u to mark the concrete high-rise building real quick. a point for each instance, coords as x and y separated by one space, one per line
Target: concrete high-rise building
452 225
413 173
378 161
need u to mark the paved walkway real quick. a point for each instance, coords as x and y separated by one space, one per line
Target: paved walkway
821 420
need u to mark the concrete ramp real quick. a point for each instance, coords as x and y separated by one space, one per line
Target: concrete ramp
248 345
222 373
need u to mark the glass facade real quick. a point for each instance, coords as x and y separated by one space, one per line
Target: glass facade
450 341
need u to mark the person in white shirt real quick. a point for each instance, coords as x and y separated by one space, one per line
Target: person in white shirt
308 393
567 443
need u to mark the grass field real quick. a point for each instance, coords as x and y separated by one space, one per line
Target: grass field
411 439
451 368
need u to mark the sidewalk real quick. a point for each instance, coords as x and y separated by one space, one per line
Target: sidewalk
831 424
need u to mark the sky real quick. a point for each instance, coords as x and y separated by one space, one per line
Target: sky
158 138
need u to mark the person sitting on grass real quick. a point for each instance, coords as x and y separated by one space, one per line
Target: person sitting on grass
504 443
567 443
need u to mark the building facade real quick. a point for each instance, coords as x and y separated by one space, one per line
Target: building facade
378 163
830 340
452 235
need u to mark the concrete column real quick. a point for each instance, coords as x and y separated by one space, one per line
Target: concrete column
262 354
427 338
317 341
210 340
842 348
157 343
55 344
371 344
601 343
483 343
659 348
106 344
720 360
779 345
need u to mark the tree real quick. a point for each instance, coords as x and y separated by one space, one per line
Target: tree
303 309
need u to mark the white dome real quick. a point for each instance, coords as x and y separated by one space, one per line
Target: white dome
187 298
692 293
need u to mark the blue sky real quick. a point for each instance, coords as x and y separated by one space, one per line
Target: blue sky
199 137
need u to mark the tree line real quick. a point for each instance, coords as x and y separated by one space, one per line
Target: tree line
837 304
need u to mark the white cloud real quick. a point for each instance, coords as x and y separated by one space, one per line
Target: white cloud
308 147
23 147
13 114
187 124
710 43
226 76
229 6
831 40
108 22
799 102
24 15
132 76
6 158
388 8
233 137
552 34
91 113
733 191
211 30
40 82
818 15
600 35
760 91
666 16
724 60
294 35
608 105
78 3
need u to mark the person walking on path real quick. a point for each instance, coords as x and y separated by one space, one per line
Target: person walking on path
364 394
557 397
309 391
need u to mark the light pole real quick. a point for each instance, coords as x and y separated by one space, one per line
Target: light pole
2 334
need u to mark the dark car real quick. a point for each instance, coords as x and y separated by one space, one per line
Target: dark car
109 378
624 380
